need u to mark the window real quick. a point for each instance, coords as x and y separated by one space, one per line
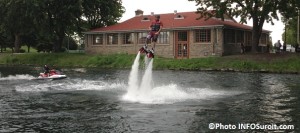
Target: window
163 38
127 38
178 16
263 38
145 19
142 37
248 38
230 36
202 35
98 39
182 36
239 36
112 38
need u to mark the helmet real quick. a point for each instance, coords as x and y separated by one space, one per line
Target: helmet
157 16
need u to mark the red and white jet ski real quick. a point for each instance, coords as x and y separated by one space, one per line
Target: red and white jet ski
53 74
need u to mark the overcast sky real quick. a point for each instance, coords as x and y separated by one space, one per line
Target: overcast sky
168 6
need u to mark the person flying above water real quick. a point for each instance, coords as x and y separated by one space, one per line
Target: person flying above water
155 28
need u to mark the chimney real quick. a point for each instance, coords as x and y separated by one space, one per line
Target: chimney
139 12
175 12
152 13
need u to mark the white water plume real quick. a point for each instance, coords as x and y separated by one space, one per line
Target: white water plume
133 77
147 93
146 61
134 90
146 84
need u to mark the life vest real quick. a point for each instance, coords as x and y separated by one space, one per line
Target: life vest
155 26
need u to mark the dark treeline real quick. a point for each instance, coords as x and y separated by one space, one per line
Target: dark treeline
45 24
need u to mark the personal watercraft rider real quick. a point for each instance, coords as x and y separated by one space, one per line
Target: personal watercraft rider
46 70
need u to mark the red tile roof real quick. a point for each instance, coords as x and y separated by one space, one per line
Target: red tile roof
189 21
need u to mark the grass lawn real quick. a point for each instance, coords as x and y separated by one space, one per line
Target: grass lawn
25 48
266 62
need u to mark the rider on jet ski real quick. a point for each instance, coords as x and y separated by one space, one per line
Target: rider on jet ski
46 70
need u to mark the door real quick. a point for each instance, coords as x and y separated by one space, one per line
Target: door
181 45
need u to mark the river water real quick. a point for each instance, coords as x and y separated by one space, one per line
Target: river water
94 100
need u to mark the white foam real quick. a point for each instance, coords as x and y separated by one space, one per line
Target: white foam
76 84
96 85
172 93
82 70
18 77
85 85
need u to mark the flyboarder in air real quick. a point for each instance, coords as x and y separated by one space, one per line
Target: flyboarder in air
152 36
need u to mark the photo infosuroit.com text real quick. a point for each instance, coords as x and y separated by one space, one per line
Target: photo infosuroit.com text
249 126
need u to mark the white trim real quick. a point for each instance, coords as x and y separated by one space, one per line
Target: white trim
146 30
172 28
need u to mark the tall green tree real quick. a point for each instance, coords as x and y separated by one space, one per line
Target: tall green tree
260 11
61 16
290 33
17 19
50 21
99 13
290 19
3 41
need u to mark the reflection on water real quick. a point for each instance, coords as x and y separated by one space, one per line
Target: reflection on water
91 100
277 95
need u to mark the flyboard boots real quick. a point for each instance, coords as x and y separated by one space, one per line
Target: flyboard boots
149 53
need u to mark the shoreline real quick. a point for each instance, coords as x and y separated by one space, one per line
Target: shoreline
283 63
172 69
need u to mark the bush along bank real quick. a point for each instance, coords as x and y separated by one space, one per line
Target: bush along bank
239 63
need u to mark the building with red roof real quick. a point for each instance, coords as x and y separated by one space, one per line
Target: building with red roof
183 36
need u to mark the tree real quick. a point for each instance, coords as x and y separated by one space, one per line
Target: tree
61 16
291 31
17 19
29 40
49 21
99 13
67 17
70 44
290 19
2 41
260 11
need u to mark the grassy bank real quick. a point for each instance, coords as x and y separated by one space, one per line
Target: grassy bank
279 63
68 60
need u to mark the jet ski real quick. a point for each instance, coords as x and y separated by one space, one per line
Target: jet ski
53 74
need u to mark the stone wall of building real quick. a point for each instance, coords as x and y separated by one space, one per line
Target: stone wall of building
166 50
111 49
213 48
219 51
163 50
216 47
196 50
